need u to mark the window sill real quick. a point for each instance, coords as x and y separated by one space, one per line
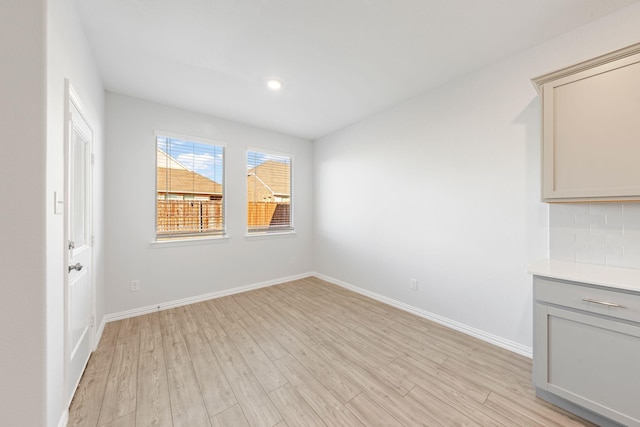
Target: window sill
169 243
270 235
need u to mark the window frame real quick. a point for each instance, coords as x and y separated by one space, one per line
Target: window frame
263 232
197 236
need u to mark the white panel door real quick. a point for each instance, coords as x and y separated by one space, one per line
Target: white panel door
79 284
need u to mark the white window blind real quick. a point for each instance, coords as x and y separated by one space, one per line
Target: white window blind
190 188
269 192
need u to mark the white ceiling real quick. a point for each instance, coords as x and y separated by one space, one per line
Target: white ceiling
340 60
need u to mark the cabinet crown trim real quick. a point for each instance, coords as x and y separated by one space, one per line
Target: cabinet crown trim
539 81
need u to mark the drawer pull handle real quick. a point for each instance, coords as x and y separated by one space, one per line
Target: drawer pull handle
608 304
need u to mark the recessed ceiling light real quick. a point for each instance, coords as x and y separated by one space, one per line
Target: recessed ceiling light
274 84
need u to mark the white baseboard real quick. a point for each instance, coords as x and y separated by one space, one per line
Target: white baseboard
198 298
99 332
64 419
461 327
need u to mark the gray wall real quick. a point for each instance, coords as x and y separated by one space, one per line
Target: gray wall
50 48
171 271
444 188
22 221
68 57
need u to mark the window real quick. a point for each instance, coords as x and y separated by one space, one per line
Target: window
268 192
190 188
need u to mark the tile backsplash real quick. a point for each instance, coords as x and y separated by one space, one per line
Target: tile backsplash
598 233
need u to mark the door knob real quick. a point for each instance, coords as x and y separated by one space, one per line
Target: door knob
77 267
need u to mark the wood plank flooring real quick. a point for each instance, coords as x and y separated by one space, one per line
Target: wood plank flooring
304 353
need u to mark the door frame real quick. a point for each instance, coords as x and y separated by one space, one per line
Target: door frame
71 97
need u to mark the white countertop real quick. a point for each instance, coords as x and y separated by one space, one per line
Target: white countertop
601 275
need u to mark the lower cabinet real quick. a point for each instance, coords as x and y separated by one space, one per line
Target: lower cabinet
587 349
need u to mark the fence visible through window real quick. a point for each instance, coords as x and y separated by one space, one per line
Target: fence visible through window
268 192
268 215
189 187
189 216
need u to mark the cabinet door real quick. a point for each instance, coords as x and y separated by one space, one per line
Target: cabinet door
591 133
589 360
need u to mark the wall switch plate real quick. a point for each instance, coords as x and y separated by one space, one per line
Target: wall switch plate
135 285
413 284
58 203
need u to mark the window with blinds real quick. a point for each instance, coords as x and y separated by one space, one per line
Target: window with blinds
269 192
189 187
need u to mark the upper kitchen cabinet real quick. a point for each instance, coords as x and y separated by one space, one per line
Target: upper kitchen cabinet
591 129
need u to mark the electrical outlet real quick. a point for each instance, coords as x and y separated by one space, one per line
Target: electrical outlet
413 284
292 260
135 285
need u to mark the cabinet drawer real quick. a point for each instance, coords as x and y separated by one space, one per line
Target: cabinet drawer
614 303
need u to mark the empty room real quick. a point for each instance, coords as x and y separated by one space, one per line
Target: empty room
320 212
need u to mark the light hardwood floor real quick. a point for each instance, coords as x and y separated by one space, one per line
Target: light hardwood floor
304 353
